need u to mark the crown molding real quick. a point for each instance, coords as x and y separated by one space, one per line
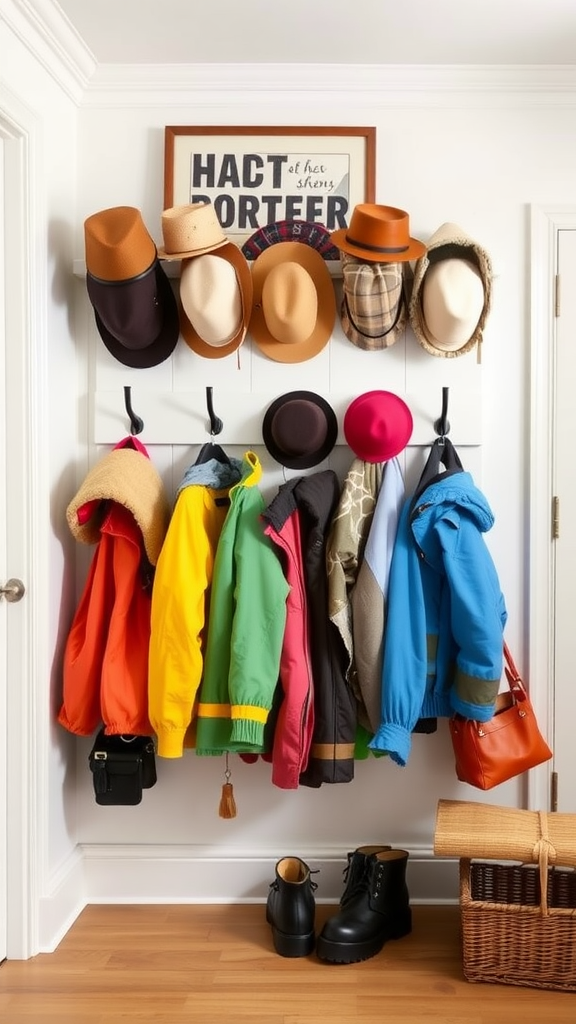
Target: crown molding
43 29
384 85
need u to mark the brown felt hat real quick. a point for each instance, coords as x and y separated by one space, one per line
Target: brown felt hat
299 429
216 301
135 308
118 246
380 234
294 306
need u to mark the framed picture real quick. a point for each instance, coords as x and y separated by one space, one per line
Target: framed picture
256 176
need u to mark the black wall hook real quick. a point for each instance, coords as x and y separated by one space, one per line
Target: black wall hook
136 424
216 423
442 426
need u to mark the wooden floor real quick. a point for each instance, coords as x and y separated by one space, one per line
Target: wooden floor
176 964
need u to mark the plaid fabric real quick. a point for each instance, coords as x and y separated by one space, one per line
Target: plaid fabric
315 235
374 308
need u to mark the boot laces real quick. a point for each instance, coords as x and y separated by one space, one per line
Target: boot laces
355 877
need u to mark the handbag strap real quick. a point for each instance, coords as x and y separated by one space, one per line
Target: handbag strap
512 674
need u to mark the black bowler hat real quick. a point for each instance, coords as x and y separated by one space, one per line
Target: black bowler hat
134 306
299 429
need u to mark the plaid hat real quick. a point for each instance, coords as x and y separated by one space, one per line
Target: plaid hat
305 231
375 300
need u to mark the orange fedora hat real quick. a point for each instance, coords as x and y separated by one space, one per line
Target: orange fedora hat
379 234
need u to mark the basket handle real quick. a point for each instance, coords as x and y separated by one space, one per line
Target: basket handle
543 850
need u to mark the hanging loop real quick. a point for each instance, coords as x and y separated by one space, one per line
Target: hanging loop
136 424
442 426
216 423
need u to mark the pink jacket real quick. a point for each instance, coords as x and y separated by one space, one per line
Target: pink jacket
295 722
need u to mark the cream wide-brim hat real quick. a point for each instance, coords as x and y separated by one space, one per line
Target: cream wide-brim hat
450 305
190 230
294 305
215 301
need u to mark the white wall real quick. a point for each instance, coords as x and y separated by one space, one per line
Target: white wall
476 159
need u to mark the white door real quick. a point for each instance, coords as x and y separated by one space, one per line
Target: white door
564 488
3 608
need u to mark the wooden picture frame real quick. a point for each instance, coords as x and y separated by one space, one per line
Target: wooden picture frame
255 176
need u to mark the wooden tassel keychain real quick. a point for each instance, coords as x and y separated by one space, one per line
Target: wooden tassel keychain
227 807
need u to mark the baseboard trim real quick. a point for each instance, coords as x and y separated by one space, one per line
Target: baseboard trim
156 874
120 874
66 899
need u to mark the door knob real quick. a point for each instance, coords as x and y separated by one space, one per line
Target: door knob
13 590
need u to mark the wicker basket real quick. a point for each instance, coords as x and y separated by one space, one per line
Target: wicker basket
512 941
518 920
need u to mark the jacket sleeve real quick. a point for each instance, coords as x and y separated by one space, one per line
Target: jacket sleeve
478 616
257 630
85 646
405 661
182 577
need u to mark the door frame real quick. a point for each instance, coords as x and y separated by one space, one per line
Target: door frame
27 523
545 222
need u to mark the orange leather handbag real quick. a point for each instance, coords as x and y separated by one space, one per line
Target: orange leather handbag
488 753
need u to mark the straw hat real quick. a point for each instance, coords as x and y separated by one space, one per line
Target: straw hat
190 230
379 234
134 306
451 294
294 307
377 426
300 429
129 478
216 301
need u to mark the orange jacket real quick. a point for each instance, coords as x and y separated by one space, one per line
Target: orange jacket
123 509
106 654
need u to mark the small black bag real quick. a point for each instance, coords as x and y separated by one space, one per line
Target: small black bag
122 766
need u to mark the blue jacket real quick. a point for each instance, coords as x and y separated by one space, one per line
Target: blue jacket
443 645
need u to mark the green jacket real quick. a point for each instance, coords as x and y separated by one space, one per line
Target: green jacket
245 628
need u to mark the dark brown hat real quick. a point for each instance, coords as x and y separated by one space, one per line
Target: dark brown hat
300 429
137 319
135 308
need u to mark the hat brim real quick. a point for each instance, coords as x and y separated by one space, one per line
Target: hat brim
397 409
163 255
163 345
311 458
234 256
312 262
414 250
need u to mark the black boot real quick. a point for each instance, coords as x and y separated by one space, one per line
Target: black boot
355 869
290 908
378 910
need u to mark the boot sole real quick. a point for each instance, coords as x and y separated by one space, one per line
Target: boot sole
293 945
355 952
